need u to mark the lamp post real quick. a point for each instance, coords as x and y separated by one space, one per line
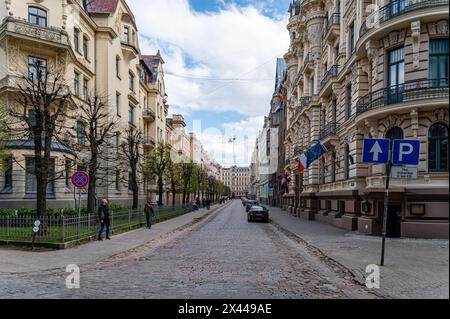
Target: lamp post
233 141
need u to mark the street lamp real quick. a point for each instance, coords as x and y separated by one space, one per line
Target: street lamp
233 141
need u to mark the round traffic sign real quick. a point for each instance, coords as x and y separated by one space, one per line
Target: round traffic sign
37 223
80 179
35 229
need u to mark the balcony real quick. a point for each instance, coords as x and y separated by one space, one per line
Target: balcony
331 73
330 129
148 141
332 27
410 91
149 115
26 31
394 9
129 51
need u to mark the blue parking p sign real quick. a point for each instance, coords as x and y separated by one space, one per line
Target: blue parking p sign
406 152
376 151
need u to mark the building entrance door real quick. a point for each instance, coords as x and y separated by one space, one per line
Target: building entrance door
394 221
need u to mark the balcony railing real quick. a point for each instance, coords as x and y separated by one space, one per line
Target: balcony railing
149 114
149 141
332 72
25 28
410 91
396 8
328 130
335 19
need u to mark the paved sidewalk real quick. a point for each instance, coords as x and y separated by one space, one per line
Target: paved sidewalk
414 268
15 261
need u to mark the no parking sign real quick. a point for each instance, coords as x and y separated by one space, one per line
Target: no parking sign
80 179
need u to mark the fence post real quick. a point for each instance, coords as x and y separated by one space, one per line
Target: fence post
7 227
89 224
63 228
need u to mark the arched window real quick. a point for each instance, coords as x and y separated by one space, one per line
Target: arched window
395 133
37 16
438 148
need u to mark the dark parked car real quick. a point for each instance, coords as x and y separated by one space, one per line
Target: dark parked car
258 213
250 204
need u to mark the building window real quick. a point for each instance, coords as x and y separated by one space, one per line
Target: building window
348 100
118 103
131 114
351 39
438 69
347 163
438 150
37 16
30 177
37 68
130 181
396 75
85 89
76 84
85 48
118 67
397 7
81 133
131 81
8 174
76 40
333 167
117 181
67 172
126 34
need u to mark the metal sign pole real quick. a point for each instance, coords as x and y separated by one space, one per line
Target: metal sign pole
79 212
386 207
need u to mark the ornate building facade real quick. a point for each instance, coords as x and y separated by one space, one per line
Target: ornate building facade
94 46
237 179
368 69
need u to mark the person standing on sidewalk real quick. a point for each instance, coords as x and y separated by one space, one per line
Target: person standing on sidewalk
149 214
103 215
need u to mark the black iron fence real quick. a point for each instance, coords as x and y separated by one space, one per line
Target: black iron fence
328 130
409 91
335 19
63 229
332 72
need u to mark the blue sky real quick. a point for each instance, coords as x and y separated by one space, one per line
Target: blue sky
220 64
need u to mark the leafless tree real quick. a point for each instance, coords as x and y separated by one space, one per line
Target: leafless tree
42 102
99 128
131 151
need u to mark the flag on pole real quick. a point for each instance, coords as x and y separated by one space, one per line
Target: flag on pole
310 156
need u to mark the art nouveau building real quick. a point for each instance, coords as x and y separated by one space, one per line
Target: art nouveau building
368 69
95 47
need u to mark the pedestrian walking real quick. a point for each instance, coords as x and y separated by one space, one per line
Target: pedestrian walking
198 202
208 203
103 215
194 204
149 212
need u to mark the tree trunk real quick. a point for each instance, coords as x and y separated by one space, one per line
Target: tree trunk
92 183
160 190
173 194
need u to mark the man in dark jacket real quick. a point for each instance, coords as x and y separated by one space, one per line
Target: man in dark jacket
149 214
103 215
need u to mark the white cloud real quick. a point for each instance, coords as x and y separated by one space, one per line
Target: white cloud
222 149
235 42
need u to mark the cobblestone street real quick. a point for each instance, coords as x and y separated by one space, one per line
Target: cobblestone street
222 257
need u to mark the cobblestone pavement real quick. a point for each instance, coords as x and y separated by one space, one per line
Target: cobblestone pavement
414 268
222 257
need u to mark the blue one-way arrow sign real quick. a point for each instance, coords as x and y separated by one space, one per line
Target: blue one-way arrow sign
406 152
376 151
